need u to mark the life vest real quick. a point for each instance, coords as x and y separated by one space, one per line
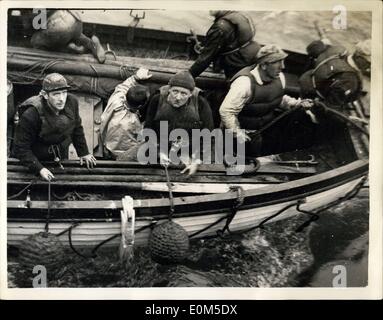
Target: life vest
244 30
54 130
186 117
333 78
265 98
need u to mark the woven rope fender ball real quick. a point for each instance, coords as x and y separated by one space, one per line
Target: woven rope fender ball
168 243
41 249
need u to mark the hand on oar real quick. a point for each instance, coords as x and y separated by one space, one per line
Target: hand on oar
89 159
164 160
192 167
306 104
242 135
46 174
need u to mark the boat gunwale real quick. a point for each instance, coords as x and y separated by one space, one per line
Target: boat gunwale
223 198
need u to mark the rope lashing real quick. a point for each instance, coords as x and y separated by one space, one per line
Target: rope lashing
94 85
22 190
126 72
297 204
260 225
209 226
55 150
94 250
74 225
93 253
74 249
74 195
313 217
43 66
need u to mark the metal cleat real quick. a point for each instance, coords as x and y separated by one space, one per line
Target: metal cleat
110 51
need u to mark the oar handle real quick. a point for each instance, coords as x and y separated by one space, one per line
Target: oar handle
341 116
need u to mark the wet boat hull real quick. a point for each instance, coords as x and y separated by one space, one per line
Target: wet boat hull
97 221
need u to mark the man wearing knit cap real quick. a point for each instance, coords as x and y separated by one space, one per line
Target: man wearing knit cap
48 124
256 97
122 119
180 105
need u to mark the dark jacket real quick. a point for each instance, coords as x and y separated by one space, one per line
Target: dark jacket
229 44
194 115
331 77
177 117
40 127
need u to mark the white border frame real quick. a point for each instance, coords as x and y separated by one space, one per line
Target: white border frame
374 288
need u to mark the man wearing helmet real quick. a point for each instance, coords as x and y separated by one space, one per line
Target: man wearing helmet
49 123
256 97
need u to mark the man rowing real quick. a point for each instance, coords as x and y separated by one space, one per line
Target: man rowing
257 97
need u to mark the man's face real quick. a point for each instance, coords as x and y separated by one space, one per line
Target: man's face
178 96
57 99
273 70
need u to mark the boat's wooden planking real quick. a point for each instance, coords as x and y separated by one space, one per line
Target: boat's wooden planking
257 197
92 233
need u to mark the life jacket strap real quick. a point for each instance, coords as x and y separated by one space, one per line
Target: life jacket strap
236 49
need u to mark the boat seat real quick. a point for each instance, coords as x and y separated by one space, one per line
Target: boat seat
292 84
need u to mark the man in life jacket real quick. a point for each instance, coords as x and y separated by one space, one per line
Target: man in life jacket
331 77
339 78
48 124
180 105
256 97
229 44
122 119
360 60
64 32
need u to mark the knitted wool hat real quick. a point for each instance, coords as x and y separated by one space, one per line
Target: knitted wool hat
182 79
137 95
